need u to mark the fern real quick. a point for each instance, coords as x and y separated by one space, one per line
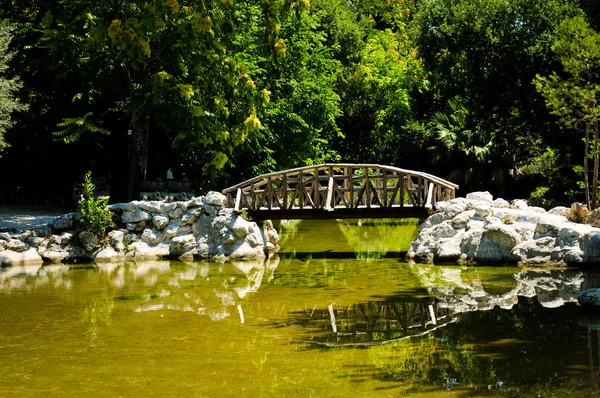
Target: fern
74 127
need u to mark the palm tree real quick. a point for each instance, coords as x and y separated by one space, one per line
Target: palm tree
467 149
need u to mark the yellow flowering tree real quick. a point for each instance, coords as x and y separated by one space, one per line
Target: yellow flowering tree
156 73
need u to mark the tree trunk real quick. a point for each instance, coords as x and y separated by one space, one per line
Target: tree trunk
586 169
129 173
596 158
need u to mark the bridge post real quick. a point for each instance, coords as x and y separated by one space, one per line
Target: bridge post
328 205
238 200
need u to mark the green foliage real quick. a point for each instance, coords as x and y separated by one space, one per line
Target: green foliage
96 216
573 96
466 148
76 126
487 52
9 86
377 101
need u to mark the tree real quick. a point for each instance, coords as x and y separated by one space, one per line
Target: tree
377 102
487 52
573 95
298 74
9 86
466 150
153 69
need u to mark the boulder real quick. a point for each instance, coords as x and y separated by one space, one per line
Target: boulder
560 211
471 229
135 216
151 236
590 300
63 223
183 244
116 240
89 240
579 212
480 197
497 243
500 203
108 254
9 258
17 245
53 254
142 251
160 222
519 204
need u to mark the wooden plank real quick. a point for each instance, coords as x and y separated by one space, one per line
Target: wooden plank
351 181
270 194
375 195
328 206
451 186
317 189
367 185
402 191
384 190
429 202
238 200
342 196
284 191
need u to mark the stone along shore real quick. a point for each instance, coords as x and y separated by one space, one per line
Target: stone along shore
480 229
200 228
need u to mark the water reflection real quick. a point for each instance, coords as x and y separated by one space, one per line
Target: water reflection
463 289
449 291
366 239
152 286
373 322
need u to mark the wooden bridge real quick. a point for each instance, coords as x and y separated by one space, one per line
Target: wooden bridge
340 191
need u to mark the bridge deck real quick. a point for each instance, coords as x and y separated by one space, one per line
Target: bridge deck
340 191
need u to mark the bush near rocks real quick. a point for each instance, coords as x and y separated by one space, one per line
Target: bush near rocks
198 228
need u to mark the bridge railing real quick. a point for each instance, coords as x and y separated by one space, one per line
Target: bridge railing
332 186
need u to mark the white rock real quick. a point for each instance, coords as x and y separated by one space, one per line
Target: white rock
116 240
135 216
481 196
183 244
500 203
215 199
191 216
17 245
160 222
519 204
108 254
151 236
196 202
483 209
53 255
9 258
560 211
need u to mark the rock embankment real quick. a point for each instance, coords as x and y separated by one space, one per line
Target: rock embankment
480 229
198 228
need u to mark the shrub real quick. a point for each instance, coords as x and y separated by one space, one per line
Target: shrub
96 216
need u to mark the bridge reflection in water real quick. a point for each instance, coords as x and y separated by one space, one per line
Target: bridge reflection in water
373 322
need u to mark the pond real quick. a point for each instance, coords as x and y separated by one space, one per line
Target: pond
338 313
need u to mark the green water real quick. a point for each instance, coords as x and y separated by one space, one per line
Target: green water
338 314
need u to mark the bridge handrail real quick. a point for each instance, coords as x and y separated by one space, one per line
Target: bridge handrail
430 177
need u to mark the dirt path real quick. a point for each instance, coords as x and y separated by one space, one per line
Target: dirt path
22 218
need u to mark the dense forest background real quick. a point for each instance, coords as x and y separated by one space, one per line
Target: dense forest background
495 95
